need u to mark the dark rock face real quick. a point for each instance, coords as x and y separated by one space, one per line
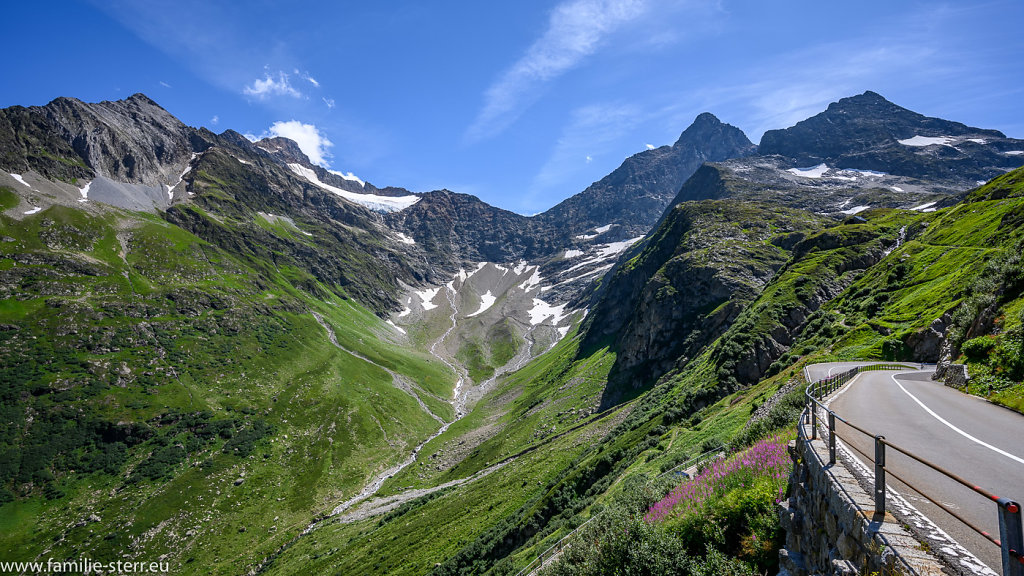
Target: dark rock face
927 344
132 140
864 132
30 140
462 228
686 287
283 150
635 194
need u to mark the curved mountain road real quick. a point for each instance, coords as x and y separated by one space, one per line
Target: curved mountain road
979 441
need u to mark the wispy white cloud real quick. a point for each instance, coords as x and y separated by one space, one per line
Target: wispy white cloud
305 76
575 31
328 101
215 120
310 139
271 85
165 84
650 146
590 133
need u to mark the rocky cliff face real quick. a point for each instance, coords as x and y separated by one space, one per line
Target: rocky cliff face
635 194
132 140
868 132
462 228
703 264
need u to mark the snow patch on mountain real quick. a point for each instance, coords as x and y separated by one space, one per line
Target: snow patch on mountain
866 173
855 210
426 296
924 207
20 179
587 274
614 248
188 168
813 172
486 301
396 327
1008 153
374 202
533 281
543 311
573 253
404 239
927 141
84 191
34 210
605 252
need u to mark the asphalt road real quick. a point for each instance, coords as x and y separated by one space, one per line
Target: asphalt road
913 412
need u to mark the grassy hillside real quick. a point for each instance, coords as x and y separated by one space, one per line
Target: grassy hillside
161 396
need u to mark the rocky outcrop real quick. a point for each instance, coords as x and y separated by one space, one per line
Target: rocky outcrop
462 228
689 284
926 345
956 376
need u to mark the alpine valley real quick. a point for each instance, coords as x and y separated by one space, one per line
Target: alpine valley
217 354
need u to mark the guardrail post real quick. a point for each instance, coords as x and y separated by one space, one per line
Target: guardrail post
814 420
1011 537
880 474
831 438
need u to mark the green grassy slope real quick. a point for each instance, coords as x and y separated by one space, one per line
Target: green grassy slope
161 396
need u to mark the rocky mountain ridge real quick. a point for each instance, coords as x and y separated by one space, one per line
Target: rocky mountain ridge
634 195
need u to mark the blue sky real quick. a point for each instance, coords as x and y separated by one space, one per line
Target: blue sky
520 103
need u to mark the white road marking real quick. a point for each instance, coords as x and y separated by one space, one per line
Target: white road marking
952 427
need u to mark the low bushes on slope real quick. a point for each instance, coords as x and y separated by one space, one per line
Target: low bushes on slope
722 521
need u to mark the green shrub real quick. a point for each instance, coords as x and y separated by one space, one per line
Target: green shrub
978 349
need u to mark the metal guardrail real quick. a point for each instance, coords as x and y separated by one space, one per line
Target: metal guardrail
556 548
1011 536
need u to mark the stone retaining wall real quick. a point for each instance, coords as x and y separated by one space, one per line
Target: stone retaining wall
956 376
831 526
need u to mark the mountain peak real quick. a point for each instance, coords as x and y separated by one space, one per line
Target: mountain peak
858 125
706 127
706 118
868 95
704 122
869 105
140 98
285 149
